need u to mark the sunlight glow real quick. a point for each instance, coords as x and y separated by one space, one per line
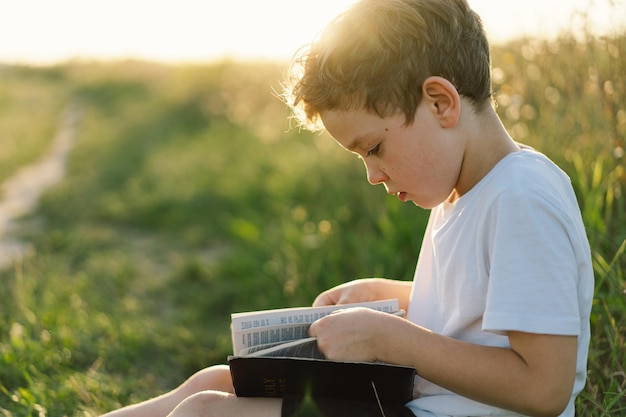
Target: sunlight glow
199 30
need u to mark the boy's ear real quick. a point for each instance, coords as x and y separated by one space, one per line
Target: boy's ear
444 100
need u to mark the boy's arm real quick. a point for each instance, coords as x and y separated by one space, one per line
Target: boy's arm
534 376
367 289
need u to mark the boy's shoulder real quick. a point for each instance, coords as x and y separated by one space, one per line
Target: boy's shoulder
524 174
526 166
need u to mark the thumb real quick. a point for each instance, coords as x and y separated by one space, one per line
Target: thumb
313 329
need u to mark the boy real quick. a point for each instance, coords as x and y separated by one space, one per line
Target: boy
498 312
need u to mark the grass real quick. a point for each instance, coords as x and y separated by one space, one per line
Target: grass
26 94
188 197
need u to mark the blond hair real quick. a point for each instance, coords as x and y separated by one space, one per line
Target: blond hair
377 54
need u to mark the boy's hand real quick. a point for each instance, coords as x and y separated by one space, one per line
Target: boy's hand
357 291
367 289
351 334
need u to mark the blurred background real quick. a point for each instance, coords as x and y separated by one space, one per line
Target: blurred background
152 184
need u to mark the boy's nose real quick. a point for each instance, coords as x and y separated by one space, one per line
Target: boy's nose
375 175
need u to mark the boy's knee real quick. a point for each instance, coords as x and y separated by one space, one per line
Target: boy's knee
202 404
221 404
215 378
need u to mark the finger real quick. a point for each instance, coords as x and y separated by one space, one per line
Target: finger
319 301
324 299
312 330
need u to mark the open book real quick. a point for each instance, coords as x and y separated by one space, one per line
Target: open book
274 357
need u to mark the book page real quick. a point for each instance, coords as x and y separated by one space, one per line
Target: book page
270 326
303 348
299 315
270 334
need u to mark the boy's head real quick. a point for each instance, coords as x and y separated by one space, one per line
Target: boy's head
376 55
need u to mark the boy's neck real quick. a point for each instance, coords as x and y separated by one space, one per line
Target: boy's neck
487 142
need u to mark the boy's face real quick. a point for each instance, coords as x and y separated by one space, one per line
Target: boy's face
420 162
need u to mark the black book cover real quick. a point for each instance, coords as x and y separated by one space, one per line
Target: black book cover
279 376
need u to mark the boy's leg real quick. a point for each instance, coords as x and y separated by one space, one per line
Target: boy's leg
221 404
213 378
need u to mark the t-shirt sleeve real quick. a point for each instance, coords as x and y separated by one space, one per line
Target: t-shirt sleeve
533 269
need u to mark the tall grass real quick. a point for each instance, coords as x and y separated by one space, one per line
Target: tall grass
566 98
188 197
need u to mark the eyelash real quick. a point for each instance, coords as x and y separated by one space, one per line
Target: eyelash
374 151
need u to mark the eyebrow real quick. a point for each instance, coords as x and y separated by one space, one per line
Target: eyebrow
355 143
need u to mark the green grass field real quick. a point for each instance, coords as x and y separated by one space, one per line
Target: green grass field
188 197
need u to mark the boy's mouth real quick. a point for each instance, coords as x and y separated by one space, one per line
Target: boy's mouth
401 196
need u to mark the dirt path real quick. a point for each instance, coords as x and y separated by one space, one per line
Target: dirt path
20 193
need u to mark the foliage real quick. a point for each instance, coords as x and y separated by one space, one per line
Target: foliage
188 197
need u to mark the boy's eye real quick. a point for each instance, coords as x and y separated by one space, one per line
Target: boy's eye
374 150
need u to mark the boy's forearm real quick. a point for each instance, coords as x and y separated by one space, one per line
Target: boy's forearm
536 380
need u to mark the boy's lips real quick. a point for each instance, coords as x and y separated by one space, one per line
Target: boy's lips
401 196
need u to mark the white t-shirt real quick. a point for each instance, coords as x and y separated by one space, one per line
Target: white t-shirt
509 255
